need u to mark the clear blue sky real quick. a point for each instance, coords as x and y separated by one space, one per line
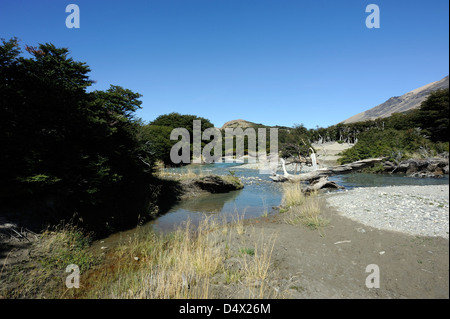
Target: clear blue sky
267 61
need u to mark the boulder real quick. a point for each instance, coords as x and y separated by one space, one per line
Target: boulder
429 167
218 184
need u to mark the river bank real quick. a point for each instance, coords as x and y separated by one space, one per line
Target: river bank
265 257
268 257
416 210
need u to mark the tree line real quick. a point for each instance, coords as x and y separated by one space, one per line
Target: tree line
419 133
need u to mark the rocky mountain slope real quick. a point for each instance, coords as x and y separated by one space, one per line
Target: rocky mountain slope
400 104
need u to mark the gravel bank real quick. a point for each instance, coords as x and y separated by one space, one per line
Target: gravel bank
416 210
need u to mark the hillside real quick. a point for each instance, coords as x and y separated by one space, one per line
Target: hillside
400 104
245 124
238 123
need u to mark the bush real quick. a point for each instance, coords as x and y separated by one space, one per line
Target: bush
384 143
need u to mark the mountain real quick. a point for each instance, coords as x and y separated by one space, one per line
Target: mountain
400 104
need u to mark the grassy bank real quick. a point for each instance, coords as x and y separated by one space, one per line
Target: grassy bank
184 264
200 261
43 275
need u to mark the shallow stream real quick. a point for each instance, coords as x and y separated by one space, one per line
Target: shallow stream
259 195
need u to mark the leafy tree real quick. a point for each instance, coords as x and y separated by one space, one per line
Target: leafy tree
157 133
158 138
76 150
297 142
384 143
433 115
177 120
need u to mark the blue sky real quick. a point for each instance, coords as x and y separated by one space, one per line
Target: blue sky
276 62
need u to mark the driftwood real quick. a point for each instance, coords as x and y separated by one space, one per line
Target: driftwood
325 172
323 182
12 231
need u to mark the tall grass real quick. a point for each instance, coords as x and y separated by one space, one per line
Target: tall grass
50 254
177 265
238 222
292 194
188 174
180 265
307 214
302 209
256 267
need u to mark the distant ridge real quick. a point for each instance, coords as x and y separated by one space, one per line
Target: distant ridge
400 104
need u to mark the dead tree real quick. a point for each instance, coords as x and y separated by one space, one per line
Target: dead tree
318 179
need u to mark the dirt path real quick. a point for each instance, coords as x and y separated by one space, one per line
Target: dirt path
307 264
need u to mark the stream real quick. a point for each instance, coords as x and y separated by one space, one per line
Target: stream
258 197
260 194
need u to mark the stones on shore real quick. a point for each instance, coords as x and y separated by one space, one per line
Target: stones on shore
417 210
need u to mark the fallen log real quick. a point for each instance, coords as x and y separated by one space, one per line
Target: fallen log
321 183
325 172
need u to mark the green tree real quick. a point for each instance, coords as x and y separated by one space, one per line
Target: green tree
76 150
433 115
296 142
384 143
157 133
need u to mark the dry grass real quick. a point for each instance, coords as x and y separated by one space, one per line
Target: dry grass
307 214
292 194
301 208
164 266
180 265
238 222
185 263
189 174
50 254
256 267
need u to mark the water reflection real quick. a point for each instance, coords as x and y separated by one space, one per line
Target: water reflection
210 203
376 180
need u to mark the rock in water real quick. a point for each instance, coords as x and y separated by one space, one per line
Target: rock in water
218 184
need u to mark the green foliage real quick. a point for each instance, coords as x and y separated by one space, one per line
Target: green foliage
433 116
296 142
79 148
248 251
420 132
64 246
376 169
158 138
441 147
177 120
157 133
384 143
